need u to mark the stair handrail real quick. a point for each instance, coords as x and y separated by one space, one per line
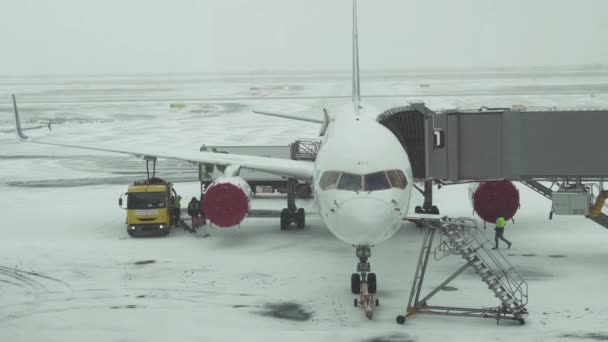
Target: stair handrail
506 274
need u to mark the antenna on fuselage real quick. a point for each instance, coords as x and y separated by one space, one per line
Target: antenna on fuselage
356 88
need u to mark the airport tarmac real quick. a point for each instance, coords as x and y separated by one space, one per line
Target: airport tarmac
70 272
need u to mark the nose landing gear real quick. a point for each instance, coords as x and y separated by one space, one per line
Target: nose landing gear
364 283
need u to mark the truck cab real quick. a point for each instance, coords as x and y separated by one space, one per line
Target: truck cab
149 207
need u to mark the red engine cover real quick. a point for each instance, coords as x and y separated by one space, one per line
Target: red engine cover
225 204
494 199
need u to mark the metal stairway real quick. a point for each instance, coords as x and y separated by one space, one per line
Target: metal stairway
601 219
460 237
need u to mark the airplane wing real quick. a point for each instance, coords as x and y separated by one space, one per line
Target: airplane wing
324 123
289 116
302 170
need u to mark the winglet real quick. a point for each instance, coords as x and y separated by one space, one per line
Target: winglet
18 121
356 87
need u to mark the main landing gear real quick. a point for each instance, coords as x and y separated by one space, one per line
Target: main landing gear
292 214
364 282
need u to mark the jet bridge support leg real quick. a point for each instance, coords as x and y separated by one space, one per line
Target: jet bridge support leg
427 207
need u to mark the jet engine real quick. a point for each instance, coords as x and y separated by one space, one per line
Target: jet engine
493 199
226 201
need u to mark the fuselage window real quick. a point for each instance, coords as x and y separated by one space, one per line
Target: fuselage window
349 182
329 180
376 181
397 179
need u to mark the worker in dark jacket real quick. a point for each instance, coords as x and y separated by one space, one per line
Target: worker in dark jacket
500 231
194 212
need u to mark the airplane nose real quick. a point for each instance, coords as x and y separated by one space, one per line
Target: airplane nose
365 221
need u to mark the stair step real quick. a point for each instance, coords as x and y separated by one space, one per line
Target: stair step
495 286
501 293
491 278
484 270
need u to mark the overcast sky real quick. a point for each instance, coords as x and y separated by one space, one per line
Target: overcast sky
101 36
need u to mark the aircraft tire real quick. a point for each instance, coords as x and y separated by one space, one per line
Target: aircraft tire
284 219
371 283
355 283
300 218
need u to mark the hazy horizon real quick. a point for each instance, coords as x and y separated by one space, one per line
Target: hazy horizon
240 36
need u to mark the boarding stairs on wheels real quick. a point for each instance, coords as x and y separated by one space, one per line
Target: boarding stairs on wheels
459 236
600 217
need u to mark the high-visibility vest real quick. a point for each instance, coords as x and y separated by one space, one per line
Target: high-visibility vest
500 222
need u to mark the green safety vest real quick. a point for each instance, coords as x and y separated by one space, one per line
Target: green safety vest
176 203
500 222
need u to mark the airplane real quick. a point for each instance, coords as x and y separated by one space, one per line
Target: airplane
362 178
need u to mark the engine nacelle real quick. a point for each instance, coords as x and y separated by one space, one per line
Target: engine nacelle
226 201
494 199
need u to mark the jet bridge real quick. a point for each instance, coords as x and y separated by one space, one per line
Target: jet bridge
515 145
559 147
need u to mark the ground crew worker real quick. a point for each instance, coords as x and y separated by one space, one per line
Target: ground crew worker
177 210
500 231
194 212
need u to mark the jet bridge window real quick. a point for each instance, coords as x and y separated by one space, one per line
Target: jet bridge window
376 181
350 182
397 179
329 180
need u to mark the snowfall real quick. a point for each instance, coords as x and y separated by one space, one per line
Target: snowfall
70 272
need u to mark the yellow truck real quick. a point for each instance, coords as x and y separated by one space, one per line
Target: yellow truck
149 207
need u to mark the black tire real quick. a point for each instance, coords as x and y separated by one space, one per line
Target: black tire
284 219
371 283
434 210
356 303
377 302
418 210
300 218
355 283
130 232
400 319
521 321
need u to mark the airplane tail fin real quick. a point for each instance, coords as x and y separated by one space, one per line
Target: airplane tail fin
356 85
18 121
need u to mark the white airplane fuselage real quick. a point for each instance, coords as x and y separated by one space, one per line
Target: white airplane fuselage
356 144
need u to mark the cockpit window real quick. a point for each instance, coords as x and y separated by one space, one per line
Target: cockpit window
376 181
329 180
397 179
350 182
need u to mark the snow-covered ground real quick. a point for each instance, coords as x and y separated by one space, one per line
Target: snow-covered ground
70 272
